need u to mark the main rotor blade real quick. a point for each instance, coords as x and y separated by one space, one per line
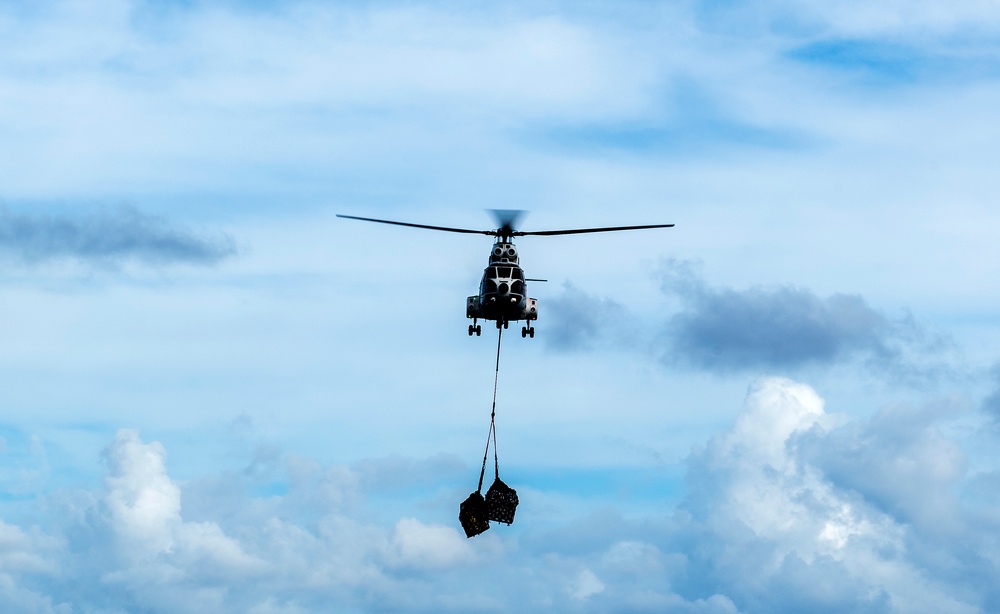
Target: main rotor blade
577 231
444 228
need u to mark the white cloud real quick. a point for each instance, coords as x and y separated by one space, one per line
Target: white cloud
155 549
420 546
28 559
587 585
762 506
29 552
144 504
790 509
773 512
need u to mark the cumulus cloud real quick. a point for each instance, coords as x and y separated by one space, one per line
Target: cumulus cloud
153 552
134 545
106 238
143 503
143 507
792 508
587 585
420 546
820 513
27 559
785 327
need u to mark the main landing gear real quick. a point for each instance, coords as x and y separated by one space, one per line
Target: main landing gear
476 329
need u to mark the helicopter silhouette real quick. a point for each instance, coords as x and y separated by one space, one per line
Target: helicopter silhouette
503 290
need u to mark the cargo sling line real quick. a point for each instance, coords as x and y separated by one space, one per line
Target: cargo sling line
493 428
500 503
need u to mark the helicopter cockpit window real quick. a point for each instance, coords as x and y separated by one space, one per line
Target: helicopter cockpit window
489 280
505 272
518 274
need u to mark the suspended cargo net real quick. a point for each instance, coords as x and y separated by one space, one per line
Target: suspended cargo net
473 515
501 500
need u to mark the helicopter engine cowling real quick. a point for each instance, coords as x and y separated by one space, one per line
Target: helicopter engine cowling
529 310
503 253
473 308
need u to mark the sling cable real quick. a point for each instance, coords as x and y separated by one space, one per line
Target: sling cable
500 502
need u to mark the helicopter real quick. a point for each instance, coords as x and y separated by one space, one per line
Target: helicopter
503 290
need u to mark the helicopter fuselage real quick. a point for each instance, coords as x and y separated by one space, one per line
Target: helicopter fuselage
502 292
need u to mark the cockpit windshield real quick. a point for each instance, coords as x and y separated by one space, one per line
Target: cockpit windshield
505 272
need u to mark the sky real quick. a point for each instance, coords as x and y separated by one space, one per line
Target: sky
217 396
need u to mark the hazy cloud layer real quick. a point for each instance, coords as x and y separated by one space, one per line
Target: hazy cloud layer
791 509
785 327
107 237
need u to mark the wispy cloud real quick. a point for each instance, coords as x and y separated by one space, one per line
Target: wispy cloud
882 62
696 122
106 238
580 321
849 18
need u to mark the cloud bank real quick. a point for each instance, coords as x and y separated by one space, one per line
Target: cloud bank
757 329
106 238
791 509
778 328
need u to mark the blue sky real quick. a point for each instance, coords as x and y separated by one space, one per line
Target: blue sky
217 396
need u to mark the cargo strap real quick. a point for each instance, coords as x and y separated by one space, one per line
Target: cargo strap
493 428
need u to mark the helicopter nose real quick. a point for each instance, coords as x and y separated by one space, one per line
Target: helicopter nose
503 288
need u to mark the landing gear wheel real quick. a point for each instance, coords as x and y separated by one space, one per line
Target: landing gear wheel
505 324
524 332
479 330
531 332
499 324
471 330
